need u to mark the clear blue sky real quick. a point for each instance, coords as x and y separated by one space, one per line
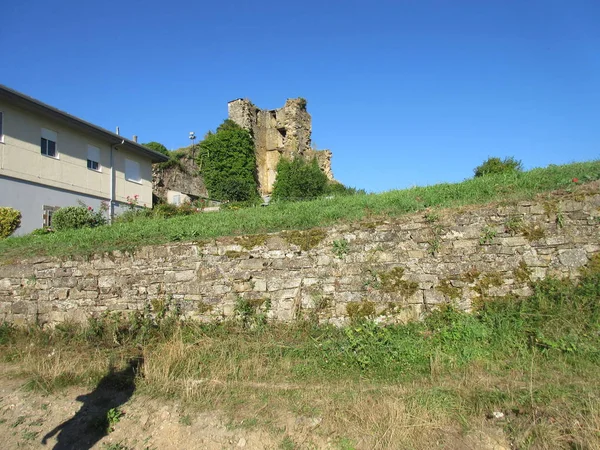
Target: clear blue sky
403 92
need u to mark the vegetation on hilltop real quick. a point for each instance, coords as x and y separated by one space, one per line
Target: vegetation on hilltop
495 165
157 147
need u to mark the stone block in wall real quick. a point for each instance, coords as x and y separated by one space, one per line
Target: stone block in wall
20 307
59 293
17 271
570 206
220 289
259 285
184 275
538 273
465 244
103 263
242 286
573 258
434 297
208 273
592 248
254 264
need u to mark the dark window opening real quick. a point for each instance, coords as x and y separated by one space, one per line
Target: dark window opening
48 147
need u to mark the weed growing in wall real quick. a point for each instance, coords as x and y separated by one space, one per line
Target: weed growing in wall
533 231
357 311
513 225
392 282
252 312
488 234
435 243
340 248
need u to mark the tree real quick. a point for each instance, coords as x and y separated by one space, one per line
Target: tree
157 147
495 165
298 179
228 163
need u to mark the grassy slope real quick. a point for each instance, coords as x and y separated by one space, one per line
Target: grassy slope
301 215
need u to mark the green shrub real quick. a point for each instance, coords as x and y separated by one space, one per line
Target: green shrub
165 210
495 165
298 179
228 164
337 188
74 217
158 147
131 215
10 219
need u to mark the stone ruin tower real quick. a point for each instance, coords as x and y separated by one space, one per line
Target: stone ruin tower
278 132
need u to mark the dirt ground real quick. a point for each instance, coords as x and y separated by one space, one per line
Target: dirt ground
74 418
64 420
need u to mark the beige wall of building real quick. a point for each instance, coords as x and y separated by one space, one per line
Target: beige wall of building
21 157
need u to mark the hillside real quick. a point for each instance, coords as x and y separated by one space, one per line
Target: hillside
301 215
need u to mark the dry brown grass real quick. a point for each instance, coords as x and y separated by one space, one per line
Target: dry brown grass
547 402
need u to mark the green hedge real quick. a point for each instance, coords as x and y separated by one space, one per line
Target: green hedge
10 219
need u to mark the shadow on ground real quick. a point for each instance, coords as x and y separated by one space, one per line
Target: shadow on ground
91 422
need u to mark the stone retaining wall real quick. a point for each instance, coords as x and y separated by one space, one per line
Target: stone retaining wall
394 269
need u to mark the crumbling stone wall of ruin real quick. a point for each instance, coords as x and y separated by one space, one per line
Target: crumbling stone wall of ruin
284 132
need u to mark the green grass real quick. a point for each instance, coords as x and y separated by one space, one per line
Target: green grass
535 359
300 215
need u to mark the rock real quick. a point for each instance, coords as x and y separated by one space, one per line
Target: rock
573 258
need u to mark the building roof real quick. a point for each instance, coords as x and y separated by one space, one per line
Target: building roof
33 105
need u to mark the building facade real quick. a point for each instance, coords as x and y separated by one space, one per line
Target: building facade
50 159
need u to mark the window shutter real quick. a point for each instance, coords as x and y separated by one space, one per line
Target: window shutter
49 135
93 153
132 171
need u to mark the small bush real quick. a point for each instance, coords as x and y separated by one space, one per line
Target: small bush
299 180
74 217
10 219
496 165
130 215
336 188
165 210
41 231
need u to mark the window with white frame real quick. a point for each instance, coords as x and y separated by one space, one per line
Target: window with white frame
49 139
132 171
1 129
48 212
93 159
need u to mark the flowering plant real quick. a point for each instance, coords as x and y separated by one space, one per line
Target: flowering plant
133 202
